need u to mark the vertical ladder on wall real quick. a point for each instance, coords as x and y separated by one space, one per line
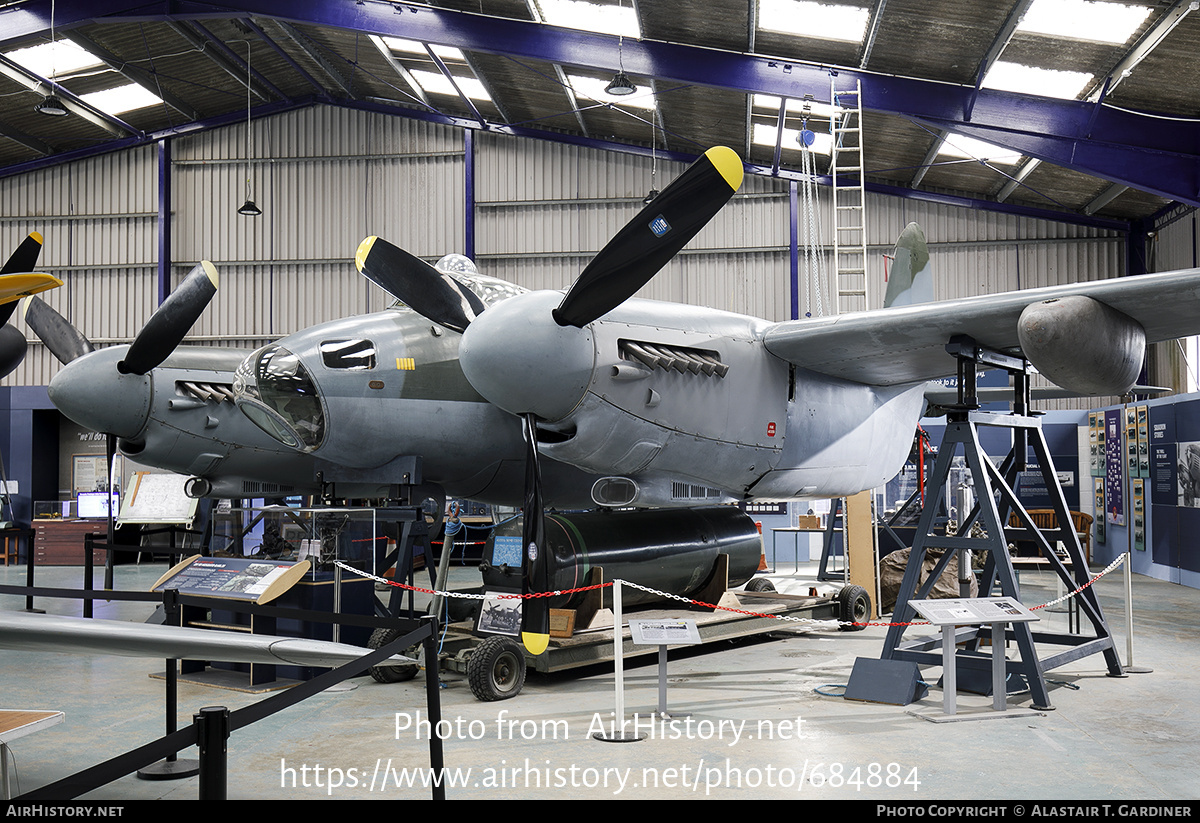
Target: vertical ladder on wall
849 198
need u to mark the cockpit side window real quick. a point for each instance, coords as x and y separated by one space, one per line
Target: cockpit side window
350 355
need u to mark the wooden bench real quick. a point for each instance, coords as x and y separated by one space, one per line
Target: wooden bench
1046 522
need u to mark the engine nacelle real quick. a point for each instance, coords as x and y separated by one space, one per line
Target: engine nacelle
1083 345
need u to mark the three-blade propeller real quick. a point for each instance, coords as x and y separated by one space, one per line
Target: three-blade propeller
625 264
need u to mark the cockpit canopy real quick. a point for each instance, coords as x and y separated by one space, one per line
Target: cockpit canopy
275 391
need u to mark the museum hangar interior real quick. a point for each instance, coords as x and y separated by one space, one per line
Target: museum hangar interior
272 140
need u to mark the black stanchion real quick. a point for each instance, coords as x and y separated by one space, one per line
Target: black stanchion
212 736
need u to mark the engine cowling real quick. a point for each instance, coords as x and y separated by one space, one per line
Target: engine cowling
1082 344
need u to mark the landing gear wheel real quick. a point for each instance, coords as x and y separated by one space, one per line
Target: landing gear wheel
390 674
496 669
760 584
854 606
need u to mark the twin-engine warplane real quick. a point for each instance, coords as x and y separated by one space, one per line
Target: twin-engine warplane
645 403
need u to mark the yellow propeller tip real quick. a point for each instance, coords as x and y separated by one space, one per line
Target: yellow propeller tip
38 237
211 271
535 643
364 249
726 161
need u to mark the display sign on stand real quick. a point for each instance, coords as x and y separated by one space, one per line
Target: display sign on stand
254 580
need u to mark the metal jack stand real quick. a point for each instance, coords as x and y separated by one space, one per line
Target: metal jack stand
996 499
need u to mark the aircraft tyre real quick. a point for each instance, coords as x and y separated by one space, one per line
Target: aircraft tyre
854 606
760 584
496 669
390 674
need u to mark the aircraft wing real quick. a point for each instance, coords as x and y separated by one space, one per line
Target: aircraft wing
76 635
906 344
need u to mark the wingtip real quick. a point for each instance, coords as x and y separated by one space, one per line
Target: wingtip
364 249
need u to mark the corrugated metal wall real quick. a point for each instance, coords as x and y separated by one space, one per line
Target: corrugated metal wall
328 177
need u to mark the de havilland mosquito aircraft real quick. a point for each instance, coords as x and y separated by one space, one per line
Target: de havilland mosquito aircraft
658 404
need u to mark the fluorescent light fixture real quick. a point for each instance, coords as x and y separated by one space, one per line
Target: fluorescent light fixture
1066 85
770 103
955 145
591 88
764 135
417 47
807 19
438 83
1084 20
57 58
121 99
603 18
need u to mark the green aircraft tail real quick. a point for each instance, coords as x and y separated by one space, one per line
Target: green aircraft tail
909 279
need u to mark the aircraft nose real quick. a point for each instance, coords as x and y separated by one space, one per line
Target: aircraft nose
519 359
90 391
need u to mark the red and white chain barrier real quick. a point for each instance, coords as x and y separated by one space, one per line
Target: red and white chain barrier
668 596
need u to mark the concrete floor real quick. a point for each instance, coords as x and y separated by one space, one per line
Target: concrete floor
1107 739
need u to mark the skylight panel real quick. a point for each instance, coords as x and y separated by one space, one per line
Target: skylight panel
121 99
417 47
955 145
764 134
438 83
57 58
1067 85
590 88
603 18
809 19
795 107
1084 20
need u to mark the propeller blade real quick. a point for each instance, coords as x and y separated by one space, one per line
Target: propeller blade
651 239
12 350
535 576
427 291
171 321
63 340
24 259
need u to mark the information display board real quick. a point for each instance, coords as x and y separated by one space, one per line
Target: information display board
253 580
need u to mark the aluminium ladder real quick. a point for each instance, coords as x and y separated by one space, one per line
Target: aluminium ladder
849 198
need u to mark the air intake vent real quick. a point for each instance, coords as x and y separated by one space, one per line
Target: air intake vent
691 491
673 358
253 488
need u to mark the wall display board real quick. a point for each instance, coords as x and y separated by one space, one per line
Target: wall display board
1143 441
1138 505
1164 485
233 578
1114 477
1098 522
1131 443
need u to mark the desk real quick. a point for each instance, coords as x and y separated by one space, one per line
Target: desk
16 723
795 532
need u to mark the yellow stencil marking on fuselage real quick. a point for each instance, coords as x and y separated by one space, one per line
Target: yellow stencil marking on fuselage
406 364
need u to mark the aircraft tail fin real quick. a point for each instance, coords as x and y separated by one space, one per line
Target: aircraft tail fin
909 279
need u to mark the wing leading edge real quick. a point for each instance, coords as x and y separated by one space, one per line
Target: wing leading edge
906 344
